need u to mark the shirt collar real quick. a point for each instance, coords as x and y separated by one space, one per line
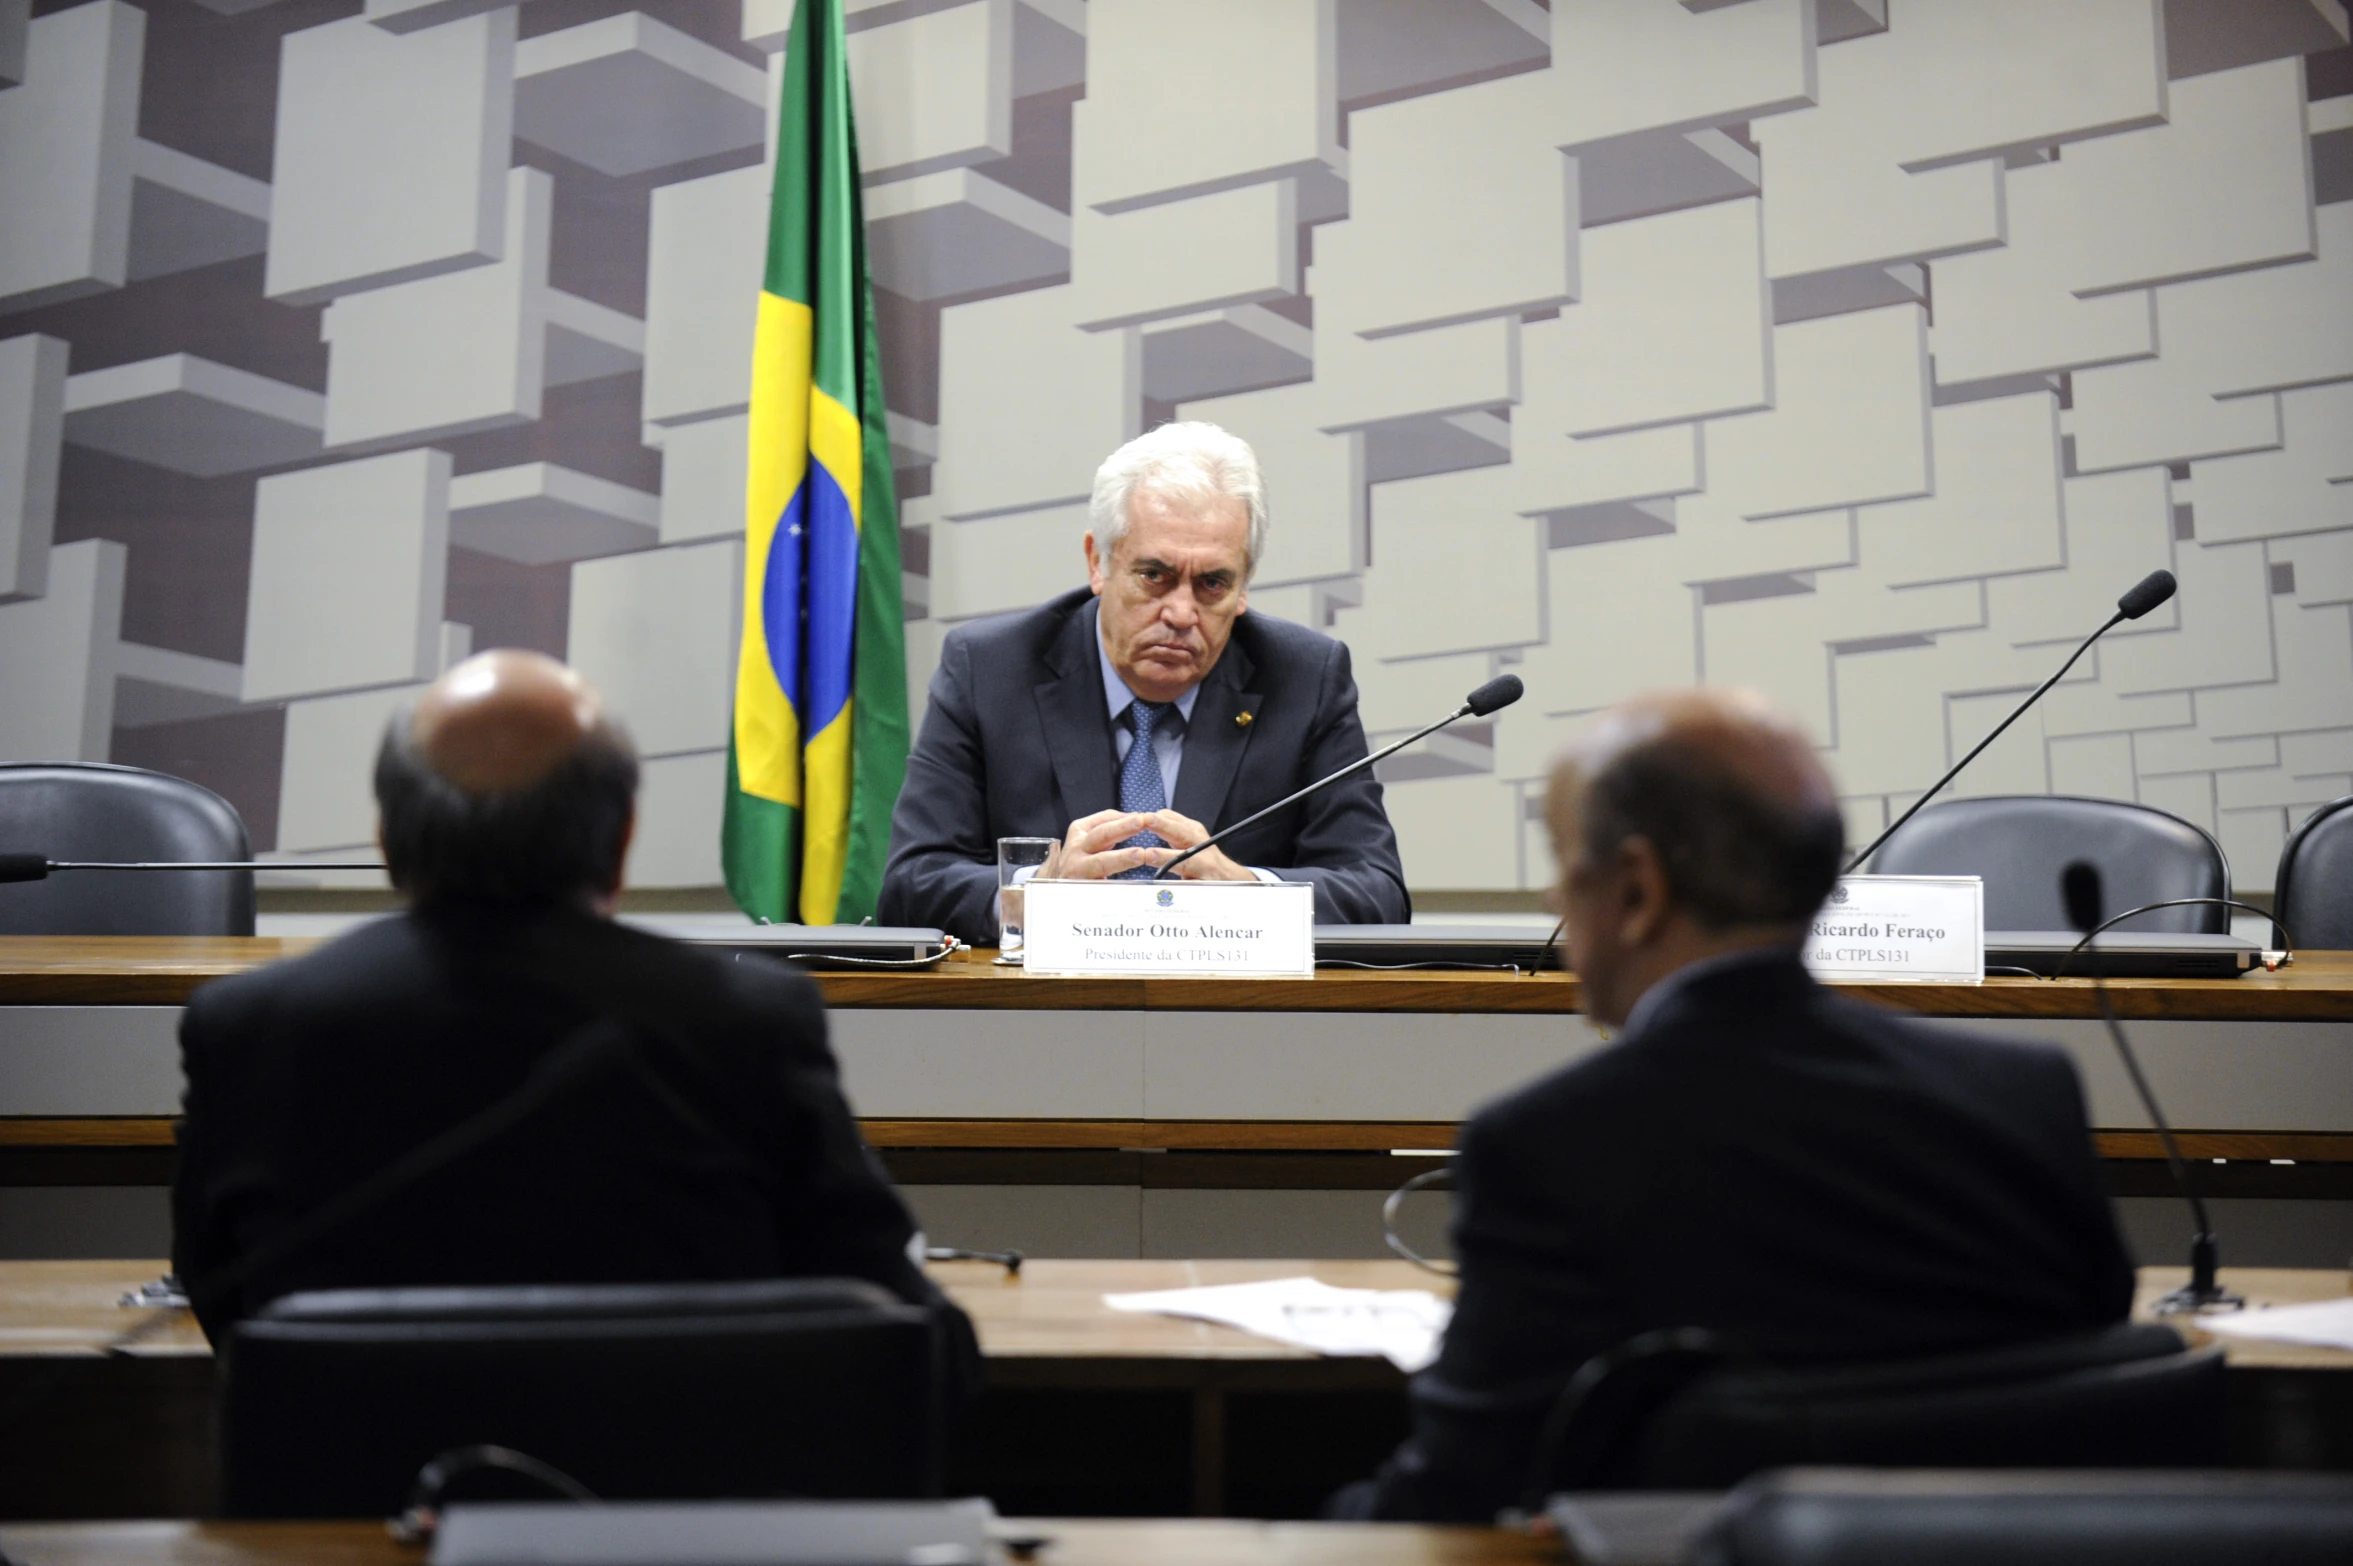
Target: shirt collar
1116 694
1691 973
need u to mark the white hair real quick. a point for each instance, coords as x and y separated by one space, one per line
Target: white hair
1193 464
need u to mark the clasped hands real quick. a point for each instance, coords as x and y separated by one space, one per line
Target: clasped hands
1090 849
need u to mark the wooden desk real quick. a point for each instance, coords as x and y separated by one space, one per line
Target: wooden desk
137 1384
1077 1542
973 1057
166 970
1047 1324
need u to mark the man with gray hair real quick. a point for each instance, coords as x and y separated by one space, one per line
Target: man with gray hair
1808 1178
1135 716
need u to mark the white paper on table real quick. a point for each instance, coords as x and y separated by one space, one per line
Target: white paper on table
1401 1325
2329 1324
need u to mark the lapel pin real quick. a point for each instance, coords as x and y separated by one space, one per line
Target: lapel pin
1243 720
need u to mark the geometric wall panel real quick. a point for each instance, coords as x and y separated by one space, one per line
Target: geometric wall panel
391 157
447 355
538 513
67 154
656 632
32 420
934 91
193 416
348 566
1858 352
705 250
678 806
57 703
66 137
1030 405
957 232
624 94
703 479
1145 133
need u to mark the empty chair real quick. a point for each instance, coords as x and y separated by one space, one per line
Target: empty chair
1677 1411
87 810
823 1387
2020 842
2314 891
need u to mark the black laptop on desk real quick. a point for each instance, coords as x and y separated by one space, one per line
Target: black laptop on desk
1464 946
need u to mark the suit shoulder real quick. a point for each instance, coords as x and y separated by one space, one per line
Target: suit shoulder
1272 639
1023 635
378 953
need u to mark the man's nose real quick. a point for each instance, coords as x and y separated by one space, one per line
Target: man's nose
1179 608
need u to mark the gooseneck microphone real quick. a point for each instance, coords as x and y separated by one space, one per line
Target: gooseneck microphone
37 867
2079 886
2143 596
1493 696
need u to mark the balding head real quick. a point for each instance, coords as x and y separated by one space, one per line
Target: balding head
503 720
1687 823
506 783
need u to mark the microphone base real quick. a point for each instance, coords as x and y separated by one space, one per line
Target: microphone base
2192 1298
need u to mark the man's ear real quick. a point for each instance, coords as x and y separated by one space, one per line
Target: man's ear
621 865
1645 897
1095 564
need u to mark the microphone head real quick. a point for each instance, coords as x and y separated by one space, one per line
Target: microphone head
2146 594
23 867
2079 888
1495 695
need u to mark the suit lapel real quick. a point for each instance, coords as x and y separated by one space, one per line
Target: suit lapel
1071 711
1224 714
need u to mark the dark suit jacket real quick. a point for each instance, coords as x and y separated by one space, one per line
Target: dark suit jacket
713 1144
1812 1178
1016 744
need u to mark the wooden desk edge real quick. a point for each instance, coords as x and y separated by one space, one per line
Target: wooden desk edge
1228 1136
164 971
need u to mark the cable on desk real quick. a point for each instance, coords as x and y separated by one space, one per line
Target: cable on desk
1396 1241
1434 964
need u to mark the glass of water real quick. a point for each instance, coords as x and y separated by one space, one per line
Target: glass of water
1018 859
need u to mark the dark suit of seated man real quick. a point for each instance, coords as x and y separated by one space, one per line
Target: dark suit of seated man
671 1115
1812 1178
1033 723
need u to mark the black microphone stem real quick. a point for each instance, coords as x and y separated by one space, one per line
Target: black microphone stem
1382 754
2114 621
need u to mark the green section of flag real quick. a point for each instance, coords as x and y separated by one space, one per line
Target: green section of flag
817 256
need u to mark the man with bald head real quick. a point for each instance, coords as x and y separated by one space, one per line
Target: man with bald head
1810 1178
680 1117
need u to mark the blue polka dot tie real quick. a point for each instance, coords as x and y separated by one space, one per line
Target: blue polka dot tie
1140 788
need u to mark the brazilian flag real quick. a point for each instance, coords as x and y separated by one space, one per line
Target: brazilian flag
820 742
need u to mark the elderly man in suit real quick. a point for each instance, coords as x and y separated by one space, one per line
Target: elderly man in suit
1810 1178
503 1085
1133 717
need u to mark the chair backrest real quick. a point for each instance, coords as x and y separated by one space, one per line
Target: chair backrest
2020 842
2130 1396
88 810
822 1387
1835 1517
2314 891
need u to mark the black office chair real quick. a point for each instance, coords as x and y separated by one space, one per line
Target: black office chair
1680 1411
2314 890
2019 842
1832 1517
823 1387
88 810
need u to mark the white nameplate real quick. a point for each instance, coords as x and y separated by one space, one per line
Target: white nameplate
1904 929
1208 929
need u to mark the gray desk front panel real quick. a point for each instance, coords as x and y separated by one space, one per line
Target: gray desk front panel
2220 1076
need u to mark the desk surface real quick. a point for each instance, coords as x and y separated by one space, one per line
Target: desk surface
1049 1314
1077 1542
165 970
